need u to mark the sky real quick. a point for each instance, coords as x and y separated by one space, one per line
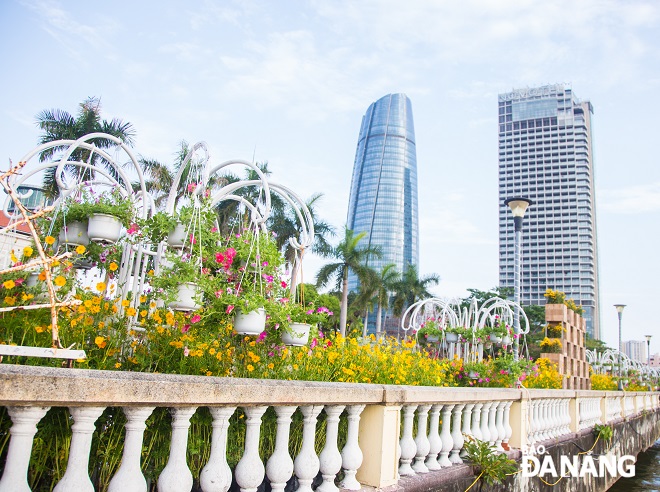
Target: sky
288 82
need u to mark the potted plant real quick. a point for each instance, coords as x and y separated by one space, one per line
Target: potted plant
180 283
157 227
429 331
302 320
454 333
498 331
478 371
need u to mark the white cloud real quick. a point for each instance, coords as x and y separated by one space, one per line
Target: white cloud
631 200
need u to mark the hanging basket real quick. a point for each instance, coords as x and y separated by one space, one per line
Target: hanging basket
104 228
82 263
495 338
506 340
451 337
473 375
74 234
297 335
177 238
432 339
186 298
252 323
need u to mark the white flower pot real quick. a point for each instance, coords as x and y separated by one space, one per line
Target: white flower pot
451 337
74 234
186 298
104 228
297 336
177 237
495 339
473 375
506 340
252 323
32 279
432 338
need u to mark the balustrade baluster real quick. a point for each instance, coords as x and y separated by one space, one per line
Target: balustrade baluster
456 435
476 421
422 443
485 431
129 477
508 430
279 467
250 469
351 455
435 443
445 436
492 428
76 476
306 465
330 457
466 431
499 415
176 476
23 428
407 443
216 475
533 422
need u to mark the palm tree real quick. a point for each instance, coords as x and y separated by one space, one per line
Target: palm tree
349 256
61 125
387 281
285 224
411 288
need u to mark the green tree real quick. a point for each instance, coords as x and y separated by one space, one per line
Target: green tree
57 124
350 256
385 282
411 288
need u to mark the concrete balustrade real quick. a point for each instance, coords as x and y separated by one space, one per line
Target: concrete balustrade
392 431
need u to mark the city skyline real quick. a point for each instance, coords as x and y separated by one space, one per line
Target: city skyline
383 198
289 84
546 155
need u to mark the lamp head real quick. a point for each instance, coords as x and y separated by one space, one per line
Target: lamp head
648 338
518 205
619 308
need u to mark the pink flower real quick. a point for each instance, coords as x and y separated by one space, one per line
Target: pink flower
219 258
311 311
192 239
283 284
191 187
261 336
186 351
314 343
195 319
218 294
214 229
185 328
265 264
229 309
133 229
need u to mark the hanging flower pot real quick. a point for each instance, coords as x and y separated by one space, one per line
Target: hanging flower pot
432 338
83 263
74 234
186 294
495 338
177 237
104 228
252 323
32 279
473 375
451 337
506 340
297 335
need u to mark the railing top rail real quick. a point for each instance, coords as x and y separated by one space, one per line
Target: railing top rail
48 386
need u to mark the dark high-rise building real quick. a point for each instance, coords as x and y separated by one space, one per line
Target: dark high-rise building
545 154
383 200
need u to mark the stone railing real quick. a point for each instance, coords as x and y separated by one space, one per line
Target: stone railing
380 445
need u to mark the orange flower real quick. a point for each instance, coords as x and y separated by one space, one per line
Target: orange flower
100 286
100 342
113 266
49 240
60 281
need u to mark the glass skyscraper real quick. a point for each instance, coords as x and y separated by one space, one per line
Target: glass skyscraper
545 154
383 199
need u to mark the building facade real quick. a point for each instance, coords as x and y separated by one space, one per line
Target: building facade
636 350
383 198
545 154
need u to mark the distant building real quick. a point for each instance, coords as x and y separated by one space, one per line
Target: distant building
19 237
383 198
655 360
636 350
545 154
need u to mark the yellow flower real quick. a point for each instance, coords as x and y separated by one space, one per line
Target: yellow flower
117 365
9 284
10 301
101 286
212 351
27 251
39 329
209 373
143 313
271 365
143 298
150 273
130 311
50 240
60 281
113 266
81 249
13 256
125 303
100 342
250 367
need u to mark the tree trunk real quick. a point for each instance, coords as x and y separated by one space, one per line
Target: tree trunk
343 313
378 320
366 323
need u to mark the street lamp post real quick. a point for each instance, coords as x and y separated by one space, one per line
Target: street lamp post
619 310
518 206
648 349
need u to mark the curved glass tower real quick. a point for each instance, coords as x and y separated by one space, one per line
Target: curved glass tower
383 200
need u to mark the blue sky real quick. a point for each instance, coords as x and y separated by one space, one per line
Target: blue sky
289 81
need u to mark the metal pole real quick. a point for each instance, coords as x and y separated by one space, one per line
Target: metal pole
516 285
620 351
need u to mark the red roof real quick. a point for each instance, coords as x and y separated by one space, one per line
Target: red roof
22 228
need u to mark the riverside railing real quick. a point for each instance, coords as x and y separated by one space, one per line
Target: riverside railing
378 444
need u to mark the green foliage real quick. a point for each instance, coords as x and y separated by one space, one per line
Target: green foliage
157 227
492 467
603 431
